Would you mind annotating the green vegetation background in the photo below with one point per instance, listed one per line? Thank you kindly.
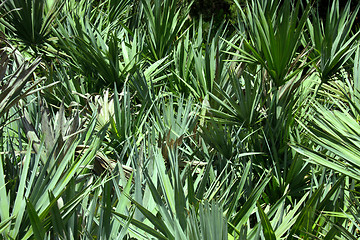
(165, 119)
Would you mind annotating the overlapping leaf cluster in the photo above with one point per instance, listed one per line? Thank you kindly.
(129, 120)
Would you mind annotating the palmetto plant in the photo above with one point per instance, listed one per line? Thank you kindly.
(92, 45)
(30, 21)
(15, 74)
(332, 39)
(262, 93)
(274, 37)
(165, 21)
(41, 175)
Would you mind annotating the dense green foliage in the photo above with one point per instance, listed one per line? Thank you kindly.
(128, 119)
